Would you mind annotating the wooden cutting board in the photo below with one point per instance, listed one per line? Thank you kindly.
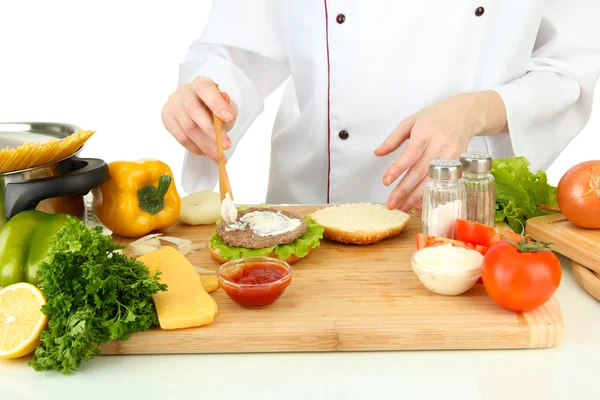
(578, 244)
(351, 298)
(588, 279)
(581, 245)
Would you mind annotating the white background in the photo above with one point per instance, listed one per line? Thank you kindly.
(110, 66)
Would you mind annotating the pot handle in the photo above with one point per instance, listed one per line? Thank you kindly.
(86, 174)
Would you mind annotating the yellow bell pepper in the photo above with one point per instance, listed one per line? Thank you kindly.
(138, 198)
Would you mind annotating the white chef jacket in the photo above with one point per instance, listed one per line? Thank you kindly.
(355, 69)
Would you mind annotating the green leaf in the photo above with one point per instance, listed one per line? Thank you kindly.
(94, 295)
(311, 238)
(519, 192)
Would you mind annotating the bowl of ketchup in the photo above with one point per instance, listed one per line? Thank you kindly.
(254, 282)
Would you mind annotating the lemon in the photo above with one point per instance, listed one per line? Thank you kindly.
(21, 319)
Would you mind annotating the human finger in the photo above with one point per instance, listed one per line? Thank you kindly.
(396, 138)
(200, 115)
(170, 122)
(197, 135)
(415, 174)
(409, 181)
(407, 158)
(210, 95)
(415, 197)
(226, 97)
(227, 126)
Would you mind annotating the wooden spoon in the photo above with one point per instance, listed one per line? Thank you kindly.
(224, 185)
(228, 210)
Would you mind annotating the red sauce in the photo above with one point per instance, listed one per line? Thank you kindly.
(258, 289)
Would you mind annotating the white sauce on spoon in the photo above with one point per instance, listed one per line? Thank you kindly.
(228, 210)
(265, 223)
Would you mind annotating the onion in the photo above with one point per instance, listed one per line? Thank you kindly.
(200, 208)
(152, 242)
(142, 248)
(578, 194)
(203, 271)
(145, 238)
(179, 242)
(192, 247)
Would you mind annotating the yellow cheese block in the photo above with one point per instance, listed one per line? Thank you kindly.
(186, 303)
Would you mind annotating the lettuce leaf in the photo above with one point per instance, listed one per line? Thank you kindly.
(311, 238)
(519, 192)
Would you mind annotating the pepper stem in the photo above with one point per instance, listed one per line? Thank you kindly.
(151, 199)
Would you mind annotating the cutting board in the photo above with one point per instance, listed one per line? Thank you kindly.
(588, 279)
(581, 245)
(352, 298)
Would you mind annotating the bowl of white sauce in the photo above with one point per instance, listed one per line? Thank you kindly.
(447, 269)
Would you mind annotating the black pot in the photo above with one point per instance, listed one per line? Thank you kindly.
(57, 187)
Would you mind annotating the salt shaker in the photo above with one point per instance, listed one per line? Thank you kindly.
(480, 185)
(444, 198)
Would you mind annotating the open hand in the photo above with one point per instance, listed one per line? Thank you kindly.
(187, 115)
(441, 130)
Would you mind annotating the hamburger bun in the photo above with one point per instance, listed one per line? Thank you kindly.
(246, 238)
(360, 223)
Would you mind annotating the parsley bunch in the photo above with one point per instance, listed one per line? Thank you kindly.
(94, 295)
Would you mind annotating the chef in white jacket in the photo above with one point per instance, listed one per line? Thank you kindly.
(423, 79)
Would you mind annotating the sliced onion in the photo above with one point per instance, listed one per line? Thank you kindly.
(143, 248)
(145, 238)
(191, 248)
(153, 242)
(203, 271)
(179, 242)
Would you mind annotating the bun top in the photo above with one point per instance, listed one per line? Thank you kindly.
(364, 218)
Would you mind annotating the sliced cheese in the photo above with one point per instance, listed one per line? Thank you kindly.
(209, 282)
(186, 303)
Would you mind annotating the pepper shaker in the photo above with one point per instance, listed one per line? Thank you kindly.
(444, 198)
(480, 185)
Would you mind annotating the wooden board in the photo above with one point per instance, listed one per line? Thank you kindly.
(351, 298)
(578, 244)
(588, 279)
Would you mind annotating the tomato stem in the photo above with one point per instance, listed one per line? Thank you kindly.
(528, 245)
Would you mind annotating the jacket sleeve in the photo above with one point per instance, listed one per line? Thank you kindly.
(243, 51)
(552, 102)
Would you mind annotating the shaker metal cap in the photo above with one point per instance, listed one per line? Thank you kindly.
(476, 161)
(445, 170)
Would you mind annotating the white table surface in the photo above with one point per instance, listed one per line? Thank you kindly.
(569, 371)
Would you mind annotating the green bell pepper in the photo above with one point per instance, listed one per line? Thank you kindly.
(2, 194)
(24, 242)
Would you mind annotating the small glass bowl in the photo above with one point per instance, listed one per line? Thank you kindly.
(253, 295)
(448, 283)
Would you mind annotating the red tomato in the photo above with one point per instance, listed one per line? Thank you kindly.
(520, 281)
(578, 194)
(430, 241)
(421, 241)
(480, 234)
